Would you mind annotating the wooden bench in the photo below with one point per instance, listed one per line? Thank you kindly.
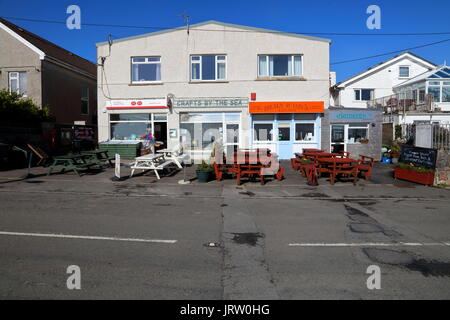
(365, 166)
(345, 169)
(70, 163)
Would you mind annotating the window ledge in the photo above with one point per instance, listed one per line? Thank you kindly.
(207, 81)
(293, 78)
(156, 83)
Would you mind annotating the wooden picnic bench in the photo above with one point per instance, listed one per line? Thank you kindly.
(365, 166)
(73, 162)
(99, 157)
(153, 162)
(338, 166)
(43, 157)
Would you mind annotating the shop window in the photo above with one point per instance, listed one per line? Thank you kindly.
(304, 131)
(197, 130)
(145, 69)
(84, 100)
(133, 126)
(284, 132)
(403, 72)
(305, 116)
(280, 65)
(18, 82)
(263, 131)
(357, 132)
(208, 67)
(364, 94)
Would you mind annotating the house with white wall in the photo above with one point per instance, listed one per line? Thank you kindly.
(378, 81)
(247, 87)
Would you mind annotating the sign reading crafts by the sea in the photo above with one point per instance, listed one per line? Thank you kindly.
(287, 107)
(210, 102)
(136, 104)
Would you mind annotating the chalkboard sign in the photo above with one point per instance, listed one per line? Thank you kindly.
(420, 157)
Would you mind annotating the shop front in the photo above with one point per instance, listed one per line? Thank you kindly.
(137, 120)
(354, 130)
(205, 121)
(286, 127)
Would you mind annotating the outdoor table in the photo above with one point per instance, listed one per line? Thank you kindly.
(335, 166)
(151, 161)
(73, 162)
(99, 156)
(170, 154)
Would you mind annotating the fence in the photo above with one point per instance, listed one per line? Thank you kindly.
(403, 102)
(441, 136)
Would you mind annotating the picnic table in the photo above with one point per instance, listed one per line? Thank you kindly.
(171, 155)
(74, 162)
(151, 161)
(99, 157)
(338, 166)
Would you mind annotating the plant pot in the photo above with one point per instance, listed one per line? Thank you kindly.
(203, 176)
(426, 178)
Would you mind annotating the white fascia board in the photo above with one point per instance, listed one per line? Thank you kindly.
(39, 52)
(384, 65)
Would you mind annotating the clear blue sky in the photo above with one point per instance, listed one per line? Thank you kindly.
(345, 16)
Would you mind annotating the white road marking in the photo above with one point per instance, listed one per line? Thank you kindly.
(70, 236)
(372, 244)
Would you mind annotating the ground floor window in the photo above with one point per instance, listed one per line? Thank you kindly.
(198, 131)
(357, 132)
(134, 126)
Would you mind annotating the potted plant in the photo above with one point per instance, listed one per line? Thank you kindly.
(412, 173)
(395, 152)
(204, 172)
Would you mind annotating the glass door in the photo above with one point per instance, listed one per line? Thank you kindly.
(337, 138)
(231, 138)
(284, 140)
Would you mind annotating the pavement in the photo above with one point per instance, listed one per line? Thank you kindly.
(143, 238)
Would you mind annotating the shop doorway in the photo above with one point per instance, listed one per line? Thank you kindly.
(160, 133)
(337, 138)
(285, 140)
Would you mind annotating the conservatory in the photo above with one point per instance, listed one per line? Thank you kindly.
(429, 92)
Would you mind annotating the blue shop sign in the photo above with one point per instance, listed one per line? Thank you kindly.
(352, 116)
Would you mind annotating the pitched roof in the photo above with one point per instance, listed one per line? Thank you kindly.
(224, 24)
(52, 50)
(440, 72)
(381, 64)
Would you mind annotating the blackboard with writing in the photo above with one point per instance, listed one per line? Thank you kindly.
(420, 157)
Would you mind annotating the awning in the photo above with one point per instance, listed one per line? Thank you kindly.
(287, 107)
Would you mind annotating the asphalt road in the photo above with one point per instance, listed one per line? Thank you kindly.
(279, 241)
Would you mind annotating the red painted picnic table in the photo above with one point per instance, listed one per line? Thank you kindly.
(335, 166)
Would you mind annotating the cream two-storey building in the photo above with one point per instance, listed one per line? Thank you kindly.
(247, 87)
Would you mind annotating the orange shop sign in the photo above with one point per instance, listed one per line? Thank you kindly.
(287, 107)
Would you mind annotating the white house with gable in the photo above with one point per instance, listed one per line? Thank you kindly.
(378, 81)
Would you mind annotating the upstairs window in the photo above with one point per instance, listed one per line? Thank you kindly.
(364, 94)
(208, 67)
(18, 82)
(145, 69)
(403, 72)
(280, 65)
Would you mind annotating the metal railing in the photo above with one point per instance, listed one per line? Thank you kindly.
(403, 102)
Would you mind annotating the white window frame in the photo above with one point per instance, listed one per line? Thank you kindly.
(17, 78)
(268, 67)
(147, 61)
(151, 121)
(216, 69)
(361, 126)
(314, 140)
(264, 122)
(409, 72)
(372, 95)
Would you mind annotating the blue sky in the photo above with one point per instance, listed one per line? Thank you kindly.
(345, 16)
